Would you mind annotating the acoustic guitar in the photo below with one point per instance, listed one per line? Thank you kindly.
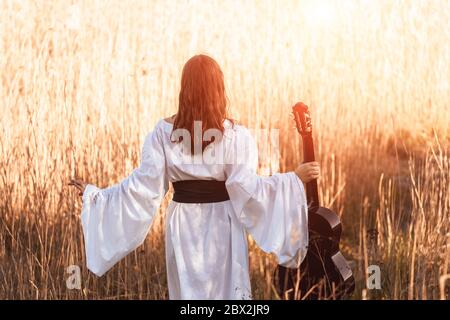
(324, 273)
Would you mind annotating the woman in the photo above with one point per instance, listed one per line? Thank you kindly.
(218, 198)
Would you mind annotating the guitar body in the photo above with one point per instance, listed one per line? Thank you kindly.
(324, 272)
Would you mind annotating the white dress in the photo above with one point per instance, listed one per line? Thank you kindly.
(206, 243)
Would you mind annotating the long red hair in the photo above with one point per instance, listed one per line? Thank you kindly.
(202, 97)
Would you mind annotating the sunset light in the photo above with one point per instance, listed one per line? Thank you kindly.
(338, 106)
(319, 13)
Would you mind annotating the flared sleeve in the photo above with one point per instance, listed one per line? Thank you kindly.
(272, 209)
(116, 220)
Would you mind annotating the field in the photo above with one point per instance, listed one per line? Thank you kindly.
(82, 84)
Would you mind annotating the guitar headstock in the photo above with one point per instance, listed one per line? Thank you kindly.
(302, 118)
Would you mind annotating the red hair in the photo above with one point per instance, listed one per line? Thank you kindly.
(202, 97)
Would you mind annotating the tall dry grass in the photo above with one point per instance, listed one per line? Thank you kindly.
(82, 84)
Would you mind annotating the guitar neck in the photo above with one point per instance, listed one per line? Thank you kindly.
(312, 192)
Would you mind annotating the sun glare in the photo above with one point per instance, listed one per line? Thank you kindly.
(319, 12)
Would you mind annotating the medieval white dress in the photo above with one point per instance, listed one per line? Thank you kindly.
(206, 243)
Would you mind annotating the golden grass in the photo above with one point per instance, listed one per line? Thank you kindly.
(81, 86)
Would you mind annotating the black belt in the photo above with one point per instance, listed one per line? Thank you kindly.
(199, 191)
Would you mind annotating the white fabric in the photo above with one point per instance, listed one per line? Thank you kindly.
(206, 244)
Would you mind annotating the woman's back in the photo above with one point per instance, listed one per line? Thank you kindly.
(211, 164)
(206, 241)
(207, 221)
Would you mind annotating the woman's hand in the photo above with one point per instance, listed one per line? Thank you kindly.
(79, 184)
(308, 171)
